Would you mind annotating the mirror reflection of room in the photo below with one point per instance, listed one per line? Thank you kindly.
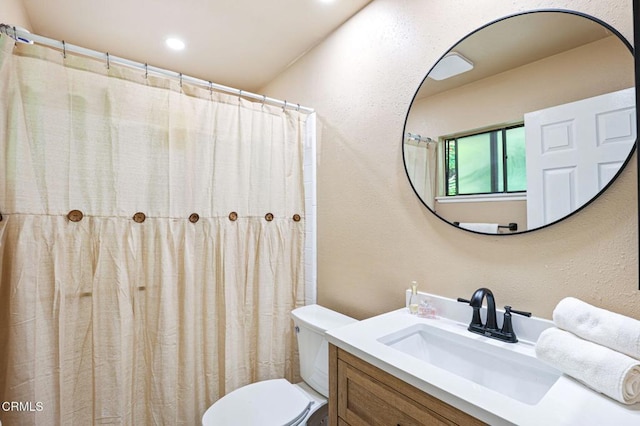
(522, 123)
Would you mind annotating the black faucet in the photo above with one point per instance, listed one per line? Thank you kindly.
(490, 328)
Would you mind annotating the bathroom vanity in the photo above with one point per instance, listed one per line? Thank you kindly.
(398, 369)
(362, 394)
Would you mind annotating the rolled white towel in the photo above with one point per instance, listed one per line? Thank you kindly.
(602, 369)
(600, 326)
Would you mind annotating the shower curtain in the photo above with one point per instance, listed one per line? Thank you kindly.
(421, 163)
(151, 242)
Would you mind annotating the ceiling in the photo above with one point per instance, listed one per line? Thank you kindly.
(238, 43)
(515, 42)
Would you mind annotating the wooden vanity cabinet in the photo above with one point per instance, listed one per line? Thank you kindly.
(361, 394)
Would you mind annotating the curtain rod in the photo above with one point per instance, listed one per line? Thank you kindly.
(25, 36)
(419, 138)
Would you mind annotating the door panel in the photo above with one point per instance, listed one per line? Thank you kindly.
(573, 151)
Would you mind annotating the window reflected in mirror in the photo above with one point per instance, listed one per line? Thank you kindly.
(490, 162)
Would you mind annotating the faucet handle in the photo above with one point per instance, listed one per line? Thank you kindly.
(507, 327)
(476, 321)
(508, 309)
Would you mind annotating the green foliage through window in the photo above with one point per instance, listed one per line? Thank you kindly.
(486, 163)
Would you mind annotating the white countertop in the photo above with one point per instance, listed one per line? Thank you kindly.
(566, 403)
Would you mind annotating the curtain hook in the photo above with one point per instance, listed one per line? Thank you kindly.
(210, 89)
(146, 71)
(264, 100)
(64, 50)
(284, 106)
(108, 62)
(181, 80)
(298, 107)
(239, 95)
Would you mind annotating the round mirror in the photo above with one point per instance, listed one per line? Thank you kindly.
(522, 123)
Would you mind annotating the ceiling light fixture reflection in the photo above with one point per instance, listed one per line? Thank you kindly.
(174, 43)
(451, 65)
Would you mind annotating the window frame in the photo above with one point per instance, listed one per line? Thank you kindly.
(494, 160)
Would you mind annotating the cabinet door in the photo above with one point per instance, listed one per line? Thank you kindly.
(365, 401)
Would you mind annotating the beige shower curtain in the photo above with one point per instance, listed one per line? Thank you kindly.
(109, 320)
(420, 160)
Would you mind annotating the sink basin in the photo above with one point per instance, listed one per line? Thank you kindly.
(493, 366)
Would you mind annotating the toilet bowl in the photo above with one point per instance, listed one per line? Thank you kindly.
(278, 402)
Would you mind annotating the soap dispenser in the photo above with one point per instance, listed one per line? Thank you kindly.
(413, 299)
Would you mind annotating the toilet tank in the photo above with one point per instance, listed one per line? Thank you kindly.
(311, 322)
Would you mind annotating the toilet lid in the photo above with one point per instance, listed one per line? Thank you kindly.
(270, 402)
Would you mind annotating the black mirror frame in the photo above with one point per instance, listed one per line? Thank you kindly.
(623, 39)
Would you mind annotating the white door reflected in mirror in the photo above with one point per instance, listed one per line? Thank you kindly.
(573, 152)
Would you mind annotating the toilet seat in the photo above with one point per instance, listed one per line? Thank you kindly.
(267, 403)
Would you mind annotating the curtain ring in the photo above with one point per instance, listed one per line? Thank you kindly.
(210, 88)
(181, 80)
(298, 107)
(108, 62)
(240, 95)
(64, 50)
(284, 106)
(264, 100)
(146, 71)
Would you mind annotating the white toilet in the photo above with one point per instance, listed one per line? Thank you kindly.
(278, 402)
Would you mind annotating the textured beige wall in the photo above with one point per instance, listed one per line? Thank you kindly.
(375, 236)
(12, 12)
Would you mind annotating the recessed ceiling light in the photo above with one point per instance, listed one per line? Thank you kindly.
(449, 66)
(174, 43)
